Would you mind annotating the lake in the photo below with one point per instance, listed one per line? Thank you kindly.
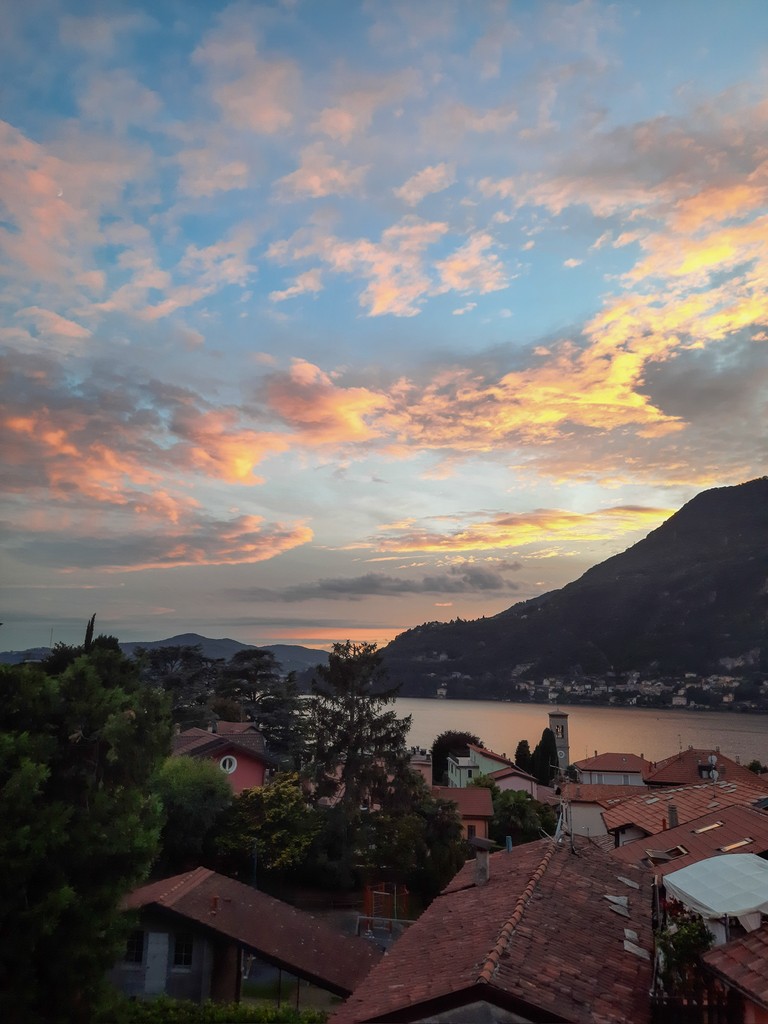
(647, 731)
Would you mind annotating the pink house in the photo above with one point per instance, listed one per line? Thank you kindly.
(236, 747)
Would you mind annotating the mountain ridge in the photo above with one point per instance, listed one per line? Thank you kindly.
(691, 596)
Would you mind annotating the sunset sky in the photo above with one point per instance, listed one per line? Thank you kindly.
(325, 318)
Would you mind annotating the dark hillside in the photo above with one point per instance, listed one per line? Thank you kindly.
(692, 593)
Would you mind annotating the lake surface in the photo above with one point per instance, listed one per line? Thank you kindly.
(654, 734)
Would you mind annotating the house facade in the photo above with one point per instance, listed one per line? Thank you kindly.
(236, 748)
(475, 806)
(195, 928)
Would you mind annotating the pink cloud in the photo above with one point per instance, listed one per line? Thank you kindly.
(426, 182)
(318, 175)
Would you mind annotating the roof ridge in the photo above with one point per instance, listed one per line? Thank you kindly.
(186, 883)
(508, 928)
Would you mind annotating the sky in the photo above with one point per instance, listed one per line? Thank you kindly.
(320, 319)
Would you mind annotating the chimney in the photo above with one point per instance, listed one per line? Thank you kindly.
(673, 819)
(482, 848)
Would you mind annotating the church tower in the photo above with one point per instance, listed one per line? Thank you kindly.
(558, 723)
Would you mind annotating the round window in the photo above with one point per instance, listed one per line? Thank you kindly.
(228, 764)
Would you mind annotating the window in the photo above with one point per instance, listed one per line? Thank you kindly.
(736, 846)
(469, 773)
(134, 947)
(559, 732)
(183, 946)
(228, 764)
(707, 828)
(471, 831)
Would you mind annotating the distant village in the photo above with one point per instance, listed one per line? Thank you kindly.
(713, 692)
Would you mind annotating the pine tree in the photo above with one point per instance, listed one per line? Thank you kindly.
(357, 740)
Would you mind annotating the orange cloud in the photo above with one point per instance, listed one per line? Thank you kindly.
(322, 413)
(520, 530)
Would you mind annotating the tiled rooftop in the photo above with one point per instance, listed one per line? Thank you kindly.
(277, 932)
(200, 742)
(701, 838)
(684, 769)
(649, 810)
(501, 758)
(602, 793)
(743, 964)
(511, 771)
(540, 933)
(614, 763)
(472, 801)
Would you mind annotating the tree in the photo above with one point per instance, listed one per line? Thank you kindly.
(252, 679)
(80, 826)
(273, 822)
(544, 759)
(517, 814)
(186, 674)
(194, 793)
(524, 757)
(358, 743)
(446, 743)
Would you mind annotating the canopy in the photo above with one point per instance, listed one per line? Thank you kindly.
(735, 884)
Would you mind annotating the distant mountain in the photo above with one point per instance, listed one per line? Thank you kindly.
(692, 596)
(291, 658)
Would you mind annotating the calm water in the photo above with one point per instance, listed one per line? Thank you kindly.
(654, 734)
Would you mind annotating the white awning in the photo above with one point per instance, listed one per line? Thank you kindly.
(735, 884)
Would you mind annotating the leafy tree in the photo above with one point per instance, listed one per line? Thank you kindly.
(757, 767)
(186, 674)
(517, 814)
(486, 782)
(358, 742)
(251, 678)
(446, 743)
(194, 792)
(273, 821)
(80, 826)
(544, 759)
(524, 757)
(423, 846)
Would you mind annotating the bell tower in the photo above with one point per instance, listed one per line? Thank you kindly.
(558, 723)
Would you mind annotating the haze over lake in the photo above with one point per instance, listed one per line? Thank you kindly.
(653, 733)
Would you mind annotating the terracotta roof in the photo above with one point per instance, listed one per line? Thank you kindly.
(743, 964)
(201, 743)
(228, 728)
(539, 939)
(684, 769)
(649, 810)
(472, 801)
(602, 793)
(735, 824)
(614, 763)
(277, 932)
(512, 771)
(501, 758)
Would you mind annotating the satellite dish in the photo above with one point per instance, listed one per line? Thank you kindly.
(714, 775)
(712, 759)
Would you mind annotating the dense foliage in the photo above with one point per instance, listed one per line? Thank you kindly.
(358, 742)
(180, 1011)
(269, 828)
(80, 825)
(194, 793)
